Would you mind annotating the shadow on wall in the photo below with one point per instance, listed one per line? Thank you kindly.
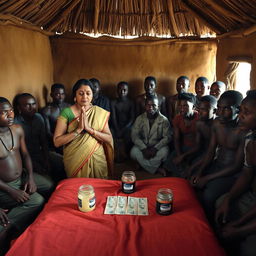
(166, 87)
(45, 94)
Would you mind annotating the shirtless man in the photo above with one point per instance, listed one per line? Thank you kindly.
(182, 85)
(207, 110)
(19, 200)
(225, 152)
(52, 110)
(236, 214)
(150, 91)
(122, 110)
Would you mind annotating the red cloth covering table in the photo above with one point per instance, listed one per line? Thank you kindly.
(61, 229)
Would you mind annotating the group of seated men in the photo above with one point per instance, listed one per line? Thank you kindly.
(178, 136)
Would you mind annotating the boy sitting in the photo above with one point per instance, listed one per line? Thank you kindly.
(44, 162)
(225, 152)
(19, 200)
(207, 109)
(236, 215)
(184, 126)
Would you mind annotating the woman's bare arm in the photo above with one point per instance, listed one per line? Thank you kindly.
(61, 137)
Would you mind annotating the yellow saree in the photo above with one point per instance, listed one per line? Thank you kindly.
(85, 156)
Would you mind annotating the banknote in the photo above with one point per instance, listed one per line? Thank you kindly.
(121, 205)
(111, 205)
(142, 206)
(132, 206)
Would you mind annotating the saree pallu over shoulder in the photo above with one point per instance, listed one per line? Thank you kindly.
(85, 156)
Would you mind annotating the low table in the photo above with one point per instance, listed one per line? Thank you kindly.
(61, 229)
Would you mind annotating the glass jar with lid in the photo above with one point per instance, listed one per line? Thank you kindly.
(164, 201)
(86, 198)
(128, 182)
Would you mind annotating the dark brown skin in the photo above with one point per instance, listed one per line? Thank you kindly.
(51, 114)
(11, 161)
(171, 101)
(52, 111)
(203, 135)
(246, 225)
(182, 86)
(28, 107)
(228, 139)
(187, 110)
(122, 111)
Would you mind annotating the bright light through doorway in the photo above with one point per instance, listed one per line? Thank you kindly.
(243, 77)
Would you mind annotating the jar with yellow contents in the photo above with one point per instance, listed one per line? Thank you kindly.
(86, 198)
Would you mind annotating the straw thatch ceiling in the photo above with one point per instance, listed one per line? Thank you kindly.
(175, 18)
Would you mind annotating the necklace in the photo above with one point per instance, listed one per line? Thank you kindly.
(11, 149)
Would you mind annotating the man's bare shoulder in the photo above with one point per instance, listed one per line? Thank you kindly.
(17, 129)
(250, 150)
(46, 110)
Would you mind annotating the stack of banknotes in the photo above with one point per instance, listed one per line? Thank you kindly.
(124, 205)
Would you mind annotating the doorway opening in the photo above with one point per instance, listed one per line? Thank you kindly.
(243, 73)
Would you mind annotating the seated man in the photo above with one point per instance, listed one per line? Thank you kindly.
(150, 90)
(182, 85)
(19, 200)
(224, 157)
(52, 110)
(217, 88)
(151, 134)
(33, 124)
(98, 98)
(236, 214)
(122, 110)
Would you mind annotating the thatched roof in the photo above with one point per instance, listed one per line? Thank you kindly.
(173, 18)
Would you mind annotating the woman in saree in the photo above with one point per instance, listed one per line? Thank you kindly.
(83, 130)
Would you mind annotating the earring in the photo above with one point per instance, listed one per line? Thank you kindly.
(75, 100)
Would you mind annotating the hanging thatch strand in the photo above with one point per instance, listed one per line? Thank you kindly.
(171, 18)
